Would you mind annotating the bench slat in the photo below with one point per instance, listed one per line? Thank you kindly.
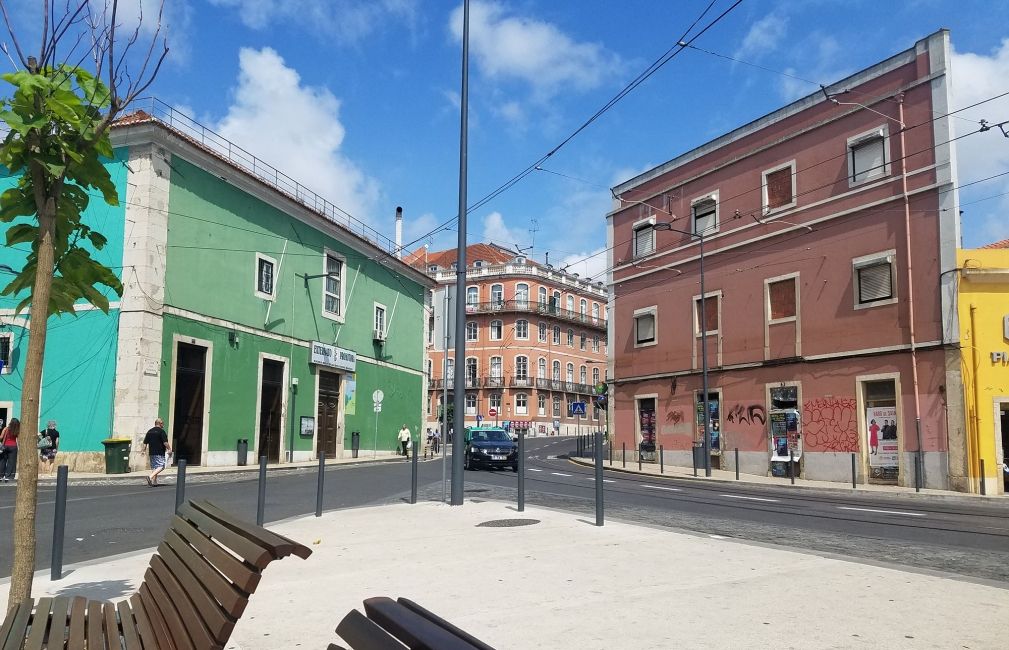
(148, 640)
(169, 613)
(58, 623)
(440, 622)
(128, 626)
(18, 617)
(238, 572)
(162, 635)
(110, 625)
(39, 624)
(95, 633)
(231, 599)
(411, 628)
(213, 615)
(279, 545)
(363, 634)
(256, 555)
(78, 610)
(192, 621)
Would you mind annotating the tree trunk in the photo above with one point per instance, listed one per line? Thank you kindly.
(26, 498)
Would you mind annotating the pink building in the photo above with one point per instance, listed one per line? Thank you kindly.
(830, 229)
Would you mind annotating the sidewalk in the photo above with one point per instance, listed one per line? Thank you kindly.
(561, 582)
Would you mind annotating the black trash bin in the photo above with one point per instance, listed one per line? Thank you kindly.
(355, 443)
(243, 451)
(699, 455)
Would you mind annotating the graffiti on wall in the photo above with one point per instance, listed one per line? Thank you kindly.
(830, 424)
(674, 417)
(752, 414)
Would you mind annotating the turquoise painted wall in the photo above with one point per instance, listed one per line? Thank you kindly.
(80, 358)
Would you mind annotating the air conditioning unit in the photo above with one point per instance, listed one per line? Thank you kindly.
(378, 335)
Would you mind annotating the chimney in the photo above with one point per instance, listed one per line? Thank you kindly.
(399, 232)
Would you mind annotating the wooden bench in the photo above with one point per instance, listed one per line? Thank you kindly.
(389, 624)
(194, 591)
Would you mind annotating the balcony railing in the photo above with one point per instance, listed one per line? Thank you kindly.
(532, 307)
(513, 381)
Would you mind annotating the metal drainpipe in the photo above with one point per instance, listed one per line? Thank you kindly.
(973, 445)
(910, 283)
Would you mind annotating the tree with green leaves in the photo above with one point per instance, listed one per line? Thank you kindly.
(59, 112)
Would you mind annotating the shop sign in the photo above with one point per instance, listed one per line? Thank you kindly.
(881, 427)
(334, 357)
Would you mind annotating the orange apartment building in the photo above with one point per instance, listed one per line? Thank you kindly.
(535, 342)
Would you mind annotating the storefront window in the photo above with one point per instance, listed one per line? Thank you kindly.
(882, 430)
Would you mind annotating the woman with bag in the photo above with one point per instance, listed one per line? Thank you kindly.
(9, 459)
(49, 440)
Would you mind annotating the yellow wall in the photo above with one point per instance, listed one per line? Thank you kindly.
(984, 285)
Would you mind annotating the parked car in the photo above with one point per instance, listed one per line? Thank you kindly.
(490, 447)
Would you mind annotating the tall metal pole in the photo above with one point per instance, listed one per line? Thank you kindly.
(599, 477)
(444, 399)
(460, 274)
(704, 363)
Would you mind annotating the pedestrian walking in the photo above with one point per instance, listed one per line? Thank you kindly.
(404, 439)
(155, 446)
(9, 451)
(435, 441)
(49, 442)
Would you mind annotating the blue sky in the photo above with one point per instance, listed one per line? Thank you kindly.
(359, 99)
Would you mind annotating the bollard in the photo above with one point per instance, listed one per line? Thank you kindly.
(917, 473)
(662, 461)
(318, 487)
(640, 454)
(791, 466)
(623, 453)
(261, 502)
(737, 463)
(693, 461)
(982, 478)
(854, 484)
(599, 478)
(413, 474)
(610, 452)
(522, 471)
(180, 485)
(59, 523)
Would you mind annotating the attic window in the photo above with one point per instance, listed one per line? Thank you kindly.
(520, 260)
(453, 266)
(478, 263)
(432, 268)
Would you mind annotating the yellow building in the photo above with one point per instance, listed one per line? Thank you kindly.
(984, 339)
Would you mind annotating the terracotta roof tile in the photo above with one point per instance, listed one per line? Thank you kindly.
(998, 244)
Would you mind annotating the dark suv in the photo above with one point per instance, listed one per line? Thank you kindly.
(490, 447)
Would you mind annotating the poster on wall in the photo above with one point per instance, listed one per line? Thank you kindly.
(350, 395)
(881, 428)
(785, 436)
(647, 421)
(307, 426)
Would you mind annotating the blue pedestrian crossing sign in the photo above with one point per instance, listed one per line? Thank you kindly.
(577, 408)
(479, 419)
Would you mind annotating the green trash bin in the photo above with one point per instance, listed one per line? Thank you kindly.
(117, 455)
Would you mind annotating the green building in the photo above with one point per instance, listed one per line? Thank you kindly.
(253, 310)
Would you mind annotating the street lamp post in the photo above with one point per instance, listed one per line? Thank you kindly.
(704, 341)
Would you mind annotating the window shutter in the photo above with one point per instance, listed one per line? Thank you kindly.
(867, 159)
(704, 216)
(645, 328)
(875, 282)
(779, 188)
(644, 241)
(710, 313)
(782, 298)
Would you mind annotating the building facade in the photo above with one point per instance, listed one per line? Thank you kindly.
(827, 233)
(535, 342)
(984, 319)
(253, 310)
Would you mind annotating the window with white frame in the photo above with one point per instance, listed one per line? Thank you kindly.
(557, 406)
(496, 368)
(583, 308)
(779, 187)
(521, 404)
(495, 401)
(478, 264)
(470, 403)
(873, 279)
(595, 376)
(541, 368)
(5, 352)
(497, 294)
(705, 215)
(782, 298)
(556, 376)
(521, 295)
(379, 320)
(542, 332)
(333, 286)
(868, 156)
(644, 326)
(710, 314)
(583, 375)
(571, 304)
(472, 331)
(557, 334)
(496, 328)
(432, 268)
(595, 343)
(581, 341)
(555, 302)
(541, 405)
(644, 238)
(265, 276)
(522, 329)
(542, 296)
(595, 312)
(522, 368)
(570, 373)
(472, 295)
(471, 372)
(571, 338)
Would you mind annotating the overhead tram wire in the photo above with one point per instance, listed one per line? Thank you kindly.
(661, 61)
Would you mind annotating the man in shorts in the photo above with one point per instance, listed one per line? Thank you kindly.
(156, 444)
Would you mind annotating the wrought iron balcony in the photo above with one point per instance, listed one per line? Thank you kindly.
(533, 307)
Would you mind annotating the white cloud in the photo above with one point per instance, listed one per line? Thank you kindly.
(589, 265)
(297, 129)
(497, 231)
(976, 77)
(347, 21)
(763, 36)
(172, 25)
(823, 60)
(532, 51)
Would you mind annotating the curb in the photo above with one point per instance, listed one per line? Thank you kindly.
(957, 498)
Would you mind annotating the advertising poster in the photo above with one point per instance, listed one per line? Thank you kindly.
(785, 434)
(881, 429)
(350, 395)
